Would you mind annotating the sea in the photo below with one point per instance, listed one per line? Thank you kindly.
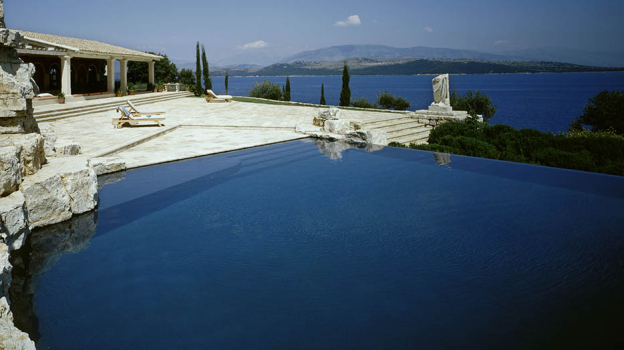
(546, 102)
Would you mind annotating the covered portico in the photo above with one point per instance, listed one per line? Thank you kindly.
(78, 66)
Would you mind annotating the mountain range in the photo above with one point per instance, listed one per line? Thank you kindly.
(388, 59)
(382, 52)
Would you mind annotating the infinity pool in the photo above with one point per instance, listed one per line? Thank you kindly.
(312, 245)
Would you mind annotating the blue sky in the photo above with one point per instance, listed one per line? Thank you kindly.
(268, 30)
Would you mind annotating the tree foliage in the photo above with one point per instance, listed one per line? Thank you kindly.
(473, 103)
(187, 77)
(322, 102)
(198, 91)
(363, 102)
(206, 70)
(345, 94)
(267, 90)
(165, 71)
(589, 151)
(387, 101)
(286, 90)
(226, 82)
(604, 112)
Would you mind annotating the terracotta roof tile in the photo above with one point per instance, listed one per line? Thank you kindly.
(87, 45)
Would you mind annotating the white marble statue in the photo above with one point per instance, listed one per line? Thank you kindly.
(441, 95)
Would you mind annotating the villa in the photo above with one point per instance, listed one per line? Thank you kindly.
(78, 67)
(238, 222)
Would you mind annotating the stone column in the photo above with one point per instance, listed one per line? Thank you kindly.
(124, 74)
(66, 75)
(150, 68)
(110, 71)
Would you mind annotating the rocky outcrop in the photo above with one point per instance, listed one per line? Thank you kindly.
(107, 165)
(342, 126)
(45, 247)
(13, 220)
(16, 88)
(328, 126)
(11, 337)
(67, 148)
(367, 137)
(5, 270)
(10, 169)
(31, 150)
(80, 182)
(323, 116)
(49, 137)
(66, 186)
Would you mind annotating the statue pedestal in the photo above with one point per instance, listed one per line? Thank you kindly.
(440, 108)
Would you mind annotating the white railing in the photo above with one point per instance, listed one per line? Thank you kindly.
(177, 86)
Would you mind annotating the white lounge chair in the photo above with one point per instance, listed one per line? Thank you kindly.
(137, 113)
(127, 117)
(212, 97)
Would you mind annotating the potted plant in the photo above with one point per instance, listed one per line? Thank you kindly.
(187, 88)
(119, 92)
(160, 87)
(131, 89)
(61, 98)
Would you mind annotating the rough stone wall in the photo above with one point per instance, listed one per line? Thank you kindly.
(20, 155)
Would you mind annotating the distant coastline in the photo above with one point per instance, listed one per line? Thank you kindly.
(368, 67)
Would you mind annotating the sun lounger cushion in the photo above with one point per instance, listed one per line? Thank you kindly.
(224, 97)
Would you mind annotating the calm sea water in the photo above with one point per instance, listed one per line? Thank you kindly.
(546, 102)
(308, 245)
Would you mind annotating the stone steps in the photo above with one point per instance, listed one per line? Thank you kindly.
(419, 138)
(105, 106)
(417, 130)
(402, 129)
(388, 121)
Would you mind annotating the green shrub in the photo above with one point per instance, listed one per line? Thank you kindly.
(401, 104)
(473, 103)
(603, 112)
(363, 102)
(196, 89)
(582, 150)
(267, 90)
(397, 144)
(387, 101)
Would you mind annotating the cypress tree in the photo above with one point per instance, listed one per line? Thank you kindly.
(287, 90)
(226, 82)
(206, 71)
(345, 94)
(198, 74)
(323, 95)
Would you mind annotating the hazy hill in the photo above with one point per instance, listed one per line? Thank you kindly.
(338, 53)
(559, 54)
(548, 54)
(367, 66)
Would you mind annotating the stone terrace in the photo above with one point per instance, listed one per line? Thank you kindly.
(193, 128)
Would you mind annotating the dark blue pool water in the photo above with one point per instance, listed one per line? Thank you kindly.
(283, 247)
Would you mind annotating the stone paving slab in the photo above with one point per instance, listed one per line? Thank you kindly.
(196, 128)
(186, 143)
